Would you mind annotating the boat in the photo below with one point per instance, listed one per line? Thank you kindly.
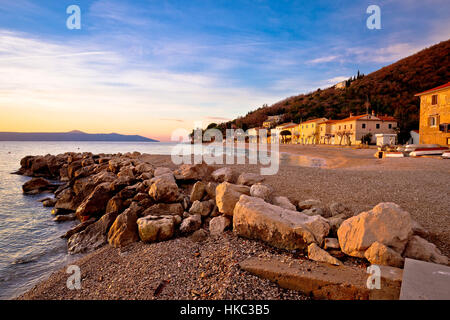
(446, 155)
(416, 150)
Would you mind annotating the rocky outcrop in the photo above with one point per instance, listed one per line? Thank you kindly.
(255, 219)
(386, 223)
(164, 209)
(283, 202)
(37, 185)
(95, 204)
(156, 228)
(227, 195)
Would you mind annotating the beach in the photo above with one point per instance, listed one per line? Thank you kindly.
(184, 268)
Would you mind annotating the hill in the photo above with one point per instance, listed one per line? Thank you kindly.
(389, 90)
(71, 136)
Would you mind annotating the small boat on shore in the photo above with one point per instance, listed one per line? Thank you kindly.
(446, 155)
(416, 150)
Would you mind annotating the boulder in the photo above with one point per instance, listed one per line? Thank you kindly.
(261, 191)
(161, 171)
(66, 201)
(124, 230)
(193, 171)
(49, 203)
(317, 254)
(202, 208)
(308, 204)
(335, 222)
(164, 190)
(224, 174)
(380, 254)
(65, 217)
(115, 205)
(164, 209)
(420, 249)
(314, 212)
(78, 228)
(217, 225)
(199, 235)
(227, 195)
(337, 208)
(36, 186)
(386, 223)
(249, 179)
(156, 228)
(283, 202)
(144, 168)
(191, 224)
(210, 190)
(95, 204)
(331, 244)
(126, 172)
(92, 236)
(255, 219)
(197, 191)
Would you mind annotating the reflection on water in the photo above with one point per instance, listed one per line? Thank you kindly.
(302, 161)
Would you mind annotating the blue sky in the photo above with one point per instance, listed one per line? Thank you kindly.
(149, 67)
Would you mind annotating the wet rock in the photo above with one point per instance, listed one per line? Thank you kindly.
(49, 203)
(386, 223)
(227, 195)
(156, 228)
(65, 218)
(255, 219)
(93, 236)
(317, 254)
(36, 186)
(249, 179)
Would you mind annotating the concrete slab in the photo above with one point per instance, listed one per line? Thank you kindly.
(324, 281)
(425, 281)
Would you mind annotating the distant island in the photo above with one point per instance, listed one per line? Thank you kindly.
(71, 136)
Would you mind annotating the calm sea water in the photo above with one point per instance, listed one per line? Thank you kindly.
(30, 244)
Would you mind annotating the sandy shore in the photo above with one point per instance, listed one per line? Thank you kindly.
(184, 269)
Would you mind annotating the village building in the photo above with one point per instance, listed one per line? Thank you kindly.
(272, 121)
(352, 130)
(285, 137)
(309, 131)
(434, 125)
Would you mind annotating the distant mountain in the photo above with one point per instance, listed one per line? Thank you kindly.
(71, 136)
(389, 90)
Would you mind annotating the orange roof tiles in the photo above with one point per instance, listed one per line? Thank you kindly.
(434, 89)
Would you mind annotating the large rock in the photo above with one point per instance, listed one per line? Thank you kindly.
(308, 204)
(261, 191)
(156, 228)
(380, 254)
(36, 185)
(164, 209)
(124, 230)
(66, 200)
(191, 224)
(224, 174)
(420, 249)
(161, 171)
(217, 225)
(227, 195)
(198, 191)
(193, 172)
(249, 179)
(164, 190)
(93, 236)
(210, 190)
(146, 168)
(255, 219)
(95, 204)
(78, 228)
(202, 208)
(337, 209)
(386, 223)
(283, 202)
(317, 254)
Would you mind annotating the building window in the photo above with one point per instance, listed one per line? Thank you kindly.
(378, 126)
(363, 125)
(339, 127)
(351, 126)
(345, 126)
(390, 125)
(434, 99)
(432, 121)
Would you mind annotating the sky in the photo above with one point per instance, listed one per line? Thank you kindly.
(151, 67)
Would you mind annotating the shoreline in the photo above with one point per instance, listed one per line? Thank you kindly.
(357, 167)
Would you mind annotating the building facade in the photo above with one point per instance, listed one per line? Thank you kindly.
(434, 125)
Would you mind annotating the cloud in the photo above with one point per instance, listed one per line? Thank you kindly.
(324, 59)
